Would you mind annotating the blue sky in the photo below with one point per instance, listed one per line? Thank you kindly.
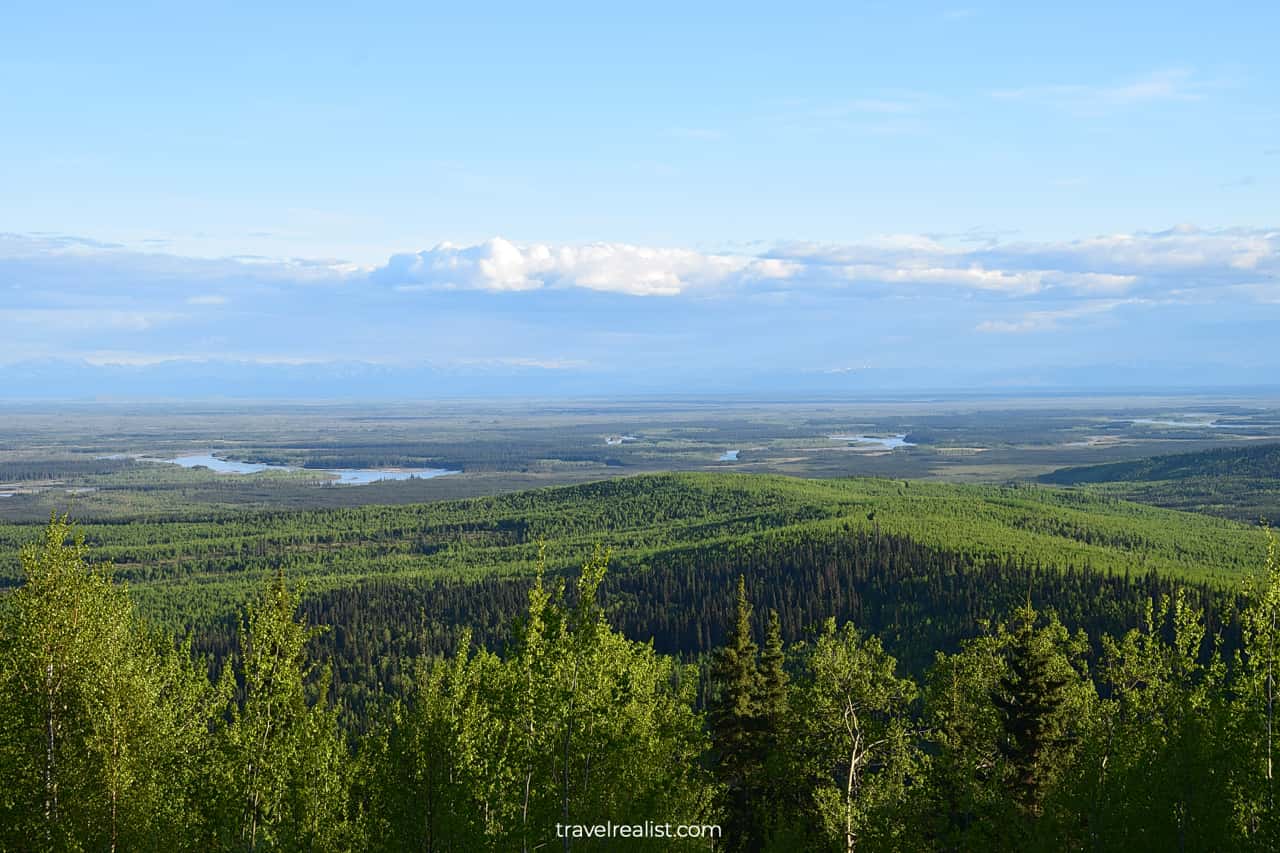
(643, 195)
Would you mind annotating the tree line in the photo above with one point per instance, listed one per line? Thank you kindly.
(919, 600)
(1026, 736)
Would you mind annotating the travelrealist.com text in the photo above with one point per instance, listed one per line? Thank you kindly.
(648, 829)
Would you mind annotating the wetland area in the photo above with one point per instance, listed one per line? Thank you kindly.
(116, 459)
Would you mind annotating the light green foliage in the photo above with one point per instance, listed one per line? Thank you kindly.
(854, 746)
(576, 726)
(963, 806)
(1257, 704)
(1234, 482)
(279, 784)
(1155, 764)
(103, 726)
(432, 771)
(1028, 737)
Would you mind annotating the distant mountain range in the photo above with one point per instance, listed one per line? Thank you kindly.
(192, 379)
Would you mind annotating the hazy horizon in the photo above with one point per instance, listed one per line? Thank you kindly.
(266, 202)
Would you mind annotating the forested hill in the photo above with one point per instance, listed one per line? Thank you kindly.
(640, 518)
(1260, 461)
(1029, 736)
(924, 565)
(1240, 483)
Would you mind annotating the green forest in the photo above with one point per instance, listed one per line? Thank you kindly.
(190, 571)
(1242, 483)
(922, 565)
(755, 662)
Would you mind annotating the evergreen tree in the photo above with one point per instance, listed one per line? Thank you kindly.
(1031, 699)
(113, 737)
(735, 714)
(773, 680)
(998, 750)
(777, 806)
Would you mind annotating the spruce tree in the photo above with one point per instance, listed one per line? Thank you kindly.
(735, 713)
(773, 680)
(1030, 699)
(778, 804)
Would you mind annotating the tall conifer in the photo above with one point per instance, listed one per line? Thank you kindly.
(735, 715)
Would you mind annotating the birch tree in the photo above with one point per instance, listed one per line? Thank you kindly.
(856, 735)
(103, 724)
(281, 782)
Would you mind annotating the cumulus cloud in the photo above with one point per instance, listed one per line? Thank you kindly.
(903, 260)
(1151, 264)
(500, 265)
(965, 296)
(974, 276)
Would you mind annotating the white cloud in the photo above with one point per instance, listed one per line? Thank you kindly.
(1108, 265)
(1187, 250)
(125, 288)
(500, 265)
(1183, 257)
(974, 277)
(500, 305)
